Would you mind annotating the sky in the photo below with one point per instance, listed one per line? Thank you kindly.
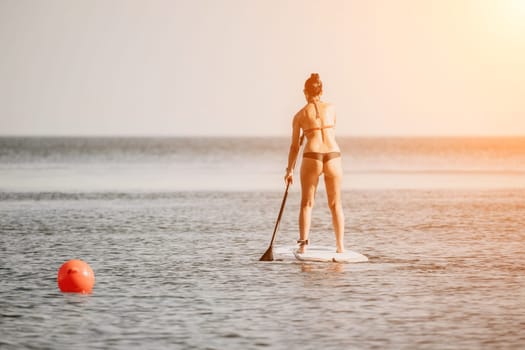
(237, 67)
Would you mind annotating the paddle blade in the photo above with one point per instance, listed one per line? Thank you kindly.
(268, 255)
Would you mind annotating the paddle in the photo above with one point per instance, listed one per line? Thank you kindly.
(268, 255)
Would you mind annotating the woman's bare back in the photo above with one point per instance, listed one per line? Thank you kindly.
(318, 122)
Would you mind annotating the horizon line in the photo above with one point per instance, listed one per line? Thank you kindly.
(130, 135)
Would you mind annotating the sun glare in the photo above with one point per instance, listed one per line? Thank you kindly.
(514, 11)
(518, 6)
(506, 17)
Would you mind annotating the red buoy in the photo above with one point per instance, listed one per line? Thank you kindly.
(76, 276)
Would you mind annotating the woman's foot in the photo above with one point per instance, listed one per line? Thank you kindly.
(302, 246)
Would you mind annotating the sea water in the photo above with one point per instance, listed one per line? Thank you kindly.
(174, 228)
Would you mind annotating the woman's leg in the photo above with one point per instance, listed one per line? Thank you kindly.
(333, 173)
(310, 171)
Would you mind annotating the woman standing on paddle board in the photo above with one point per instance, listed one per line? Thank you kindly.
(321, 156)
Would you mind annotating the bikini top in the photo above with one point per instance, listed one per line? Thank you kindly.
(319, 127)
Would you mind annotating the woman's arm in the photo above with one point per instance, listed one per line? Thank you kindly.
(294, 150)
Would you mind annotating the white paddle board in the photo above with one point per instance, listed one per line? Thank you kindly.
(328, 254)
(317, 254)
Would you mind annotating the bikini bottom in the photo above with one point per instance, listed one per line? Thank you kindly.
(323, 157)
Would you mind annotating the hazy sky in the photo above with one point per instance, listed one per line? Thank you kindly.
(237, 67)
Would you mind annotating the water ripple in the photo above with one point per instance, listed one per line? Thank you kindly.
(181, 270)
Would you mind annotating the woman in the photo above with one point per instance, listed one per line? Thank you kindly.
(321, 156)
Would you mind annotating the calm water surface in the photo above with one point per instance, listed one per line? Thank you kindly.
(179, 269)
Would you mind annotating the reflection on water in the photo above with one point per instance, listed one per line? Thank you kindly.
(322, 268)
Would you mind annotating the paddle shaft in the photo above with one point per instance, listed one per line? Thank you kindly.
(268, 254)
(280, 214)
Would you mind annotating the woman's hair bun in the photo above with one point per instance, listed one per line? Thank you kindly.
(313, 85)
